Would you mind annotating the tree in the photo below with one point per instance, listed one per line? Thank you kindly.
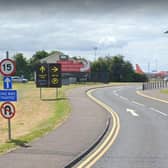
(118, 69)
(22, 67)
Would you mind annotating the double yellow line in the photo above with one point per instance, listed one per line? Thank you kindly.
(102, 149)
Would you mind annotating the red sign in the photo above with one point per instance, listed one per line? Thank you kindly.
(7, 110)
(8, 67)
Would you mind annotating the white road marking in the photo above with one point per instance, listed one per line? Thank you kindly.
(132, 112)
(157, 111)
(137, 103)
(115, 93)
(124, 98)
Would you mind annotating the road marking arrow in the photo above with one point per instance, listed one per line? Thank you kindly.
(132, 112)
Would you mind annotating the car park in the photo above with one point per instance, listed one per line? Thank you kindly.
(19, 79)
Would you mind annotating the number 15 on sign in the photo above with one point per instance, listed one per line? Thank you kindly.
(8, 67)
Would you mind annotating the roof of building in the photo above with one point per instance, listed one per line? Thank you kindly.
(53, 58)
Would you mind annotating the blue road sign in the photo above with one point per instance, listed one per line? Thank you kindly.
(8, 95)
(7, 82)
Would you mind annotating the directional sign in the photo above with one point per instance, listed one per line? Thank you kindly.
(42, 75)
(8, 67)
(7, 110)
(8, 95)
(7, 82)
(55, 75)
(48, 75)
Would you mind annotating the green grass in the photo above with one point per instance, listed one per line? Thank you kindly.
(164, 91)
(62, 110)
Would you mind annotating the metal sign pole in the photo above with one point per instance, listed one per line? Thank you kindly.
(9, 129)
(40, 93)
(9, 122)
(56, 93)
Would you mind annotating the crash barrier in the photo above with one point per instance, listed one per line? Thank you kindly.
(155, 85)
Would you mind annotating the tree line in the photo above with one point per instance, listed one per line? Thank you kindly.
(115, 68)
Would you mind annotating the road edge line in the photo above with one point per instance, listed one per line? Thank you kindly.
(95, 156)
(150, 97)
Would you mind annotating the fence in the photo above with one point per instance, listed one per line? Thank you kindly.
(155, 85)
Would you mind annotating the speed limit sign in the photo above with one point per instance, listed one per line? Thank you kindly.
(7, 110)
(8, 67)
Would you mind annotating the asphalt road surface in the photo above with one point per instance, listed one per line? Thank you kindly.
(143, 138)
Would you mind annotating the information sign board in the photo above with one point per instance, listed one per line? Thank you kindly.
(8, 95)
(42, 75)
(55, 75)
(48, 75)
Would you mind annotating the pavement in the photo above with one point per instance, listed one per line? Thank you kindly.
(84, 126)
(155, 93)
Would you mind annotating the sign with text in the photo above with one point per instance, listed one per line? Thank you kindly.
(55, 75)
(8, 95)
(42, 75)
(48, 75)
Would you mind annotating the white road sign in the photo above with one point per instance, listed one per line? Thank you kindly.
(7, 110)
(8, 67)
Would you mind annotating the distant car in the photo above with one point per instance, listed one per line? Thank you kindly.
(19, 79)
(165, 78)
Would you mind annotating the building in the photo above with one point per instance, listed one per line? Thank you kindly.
(72, 69)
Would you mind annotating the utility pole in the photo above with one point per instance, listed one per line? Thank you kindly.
(95, 49)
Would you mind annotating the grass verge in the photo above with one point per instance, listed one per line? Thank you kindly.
(61, 112)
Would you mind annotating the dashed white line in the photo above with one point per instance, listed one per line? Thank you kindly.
(157, 111)
(124, 98)
(139, 104)
(115, 93)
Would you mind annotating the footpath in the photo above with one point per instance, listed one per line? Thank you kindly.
(84, 126)
(156, 93)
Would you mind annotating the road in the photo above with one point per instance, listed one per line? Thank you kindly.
(143, 138)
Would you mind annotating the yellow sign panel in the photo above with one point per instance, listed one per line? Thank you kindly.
(55, 81)
(42, 69)
(54, 69)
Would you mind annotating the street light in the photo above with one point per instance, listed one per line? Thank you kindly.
(166, 31)
(95, 49)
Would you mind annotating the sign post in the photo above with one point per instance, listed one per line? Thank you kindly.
(7, 109)
(48, 75)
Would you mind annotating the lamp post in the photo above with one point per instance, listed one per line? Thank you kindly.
(95, 49)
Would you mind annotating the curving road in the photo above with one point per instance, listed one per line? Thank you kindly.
(143, 138)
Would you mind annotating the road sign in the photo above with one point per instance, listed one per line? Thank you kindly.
(7, 110)
(55, 75)
(48, 75)
(8, 67)
(7, 82)
(42, 75)
(8, 95)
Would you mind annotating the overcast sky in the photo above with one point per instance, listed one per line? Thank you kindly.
(134, 29)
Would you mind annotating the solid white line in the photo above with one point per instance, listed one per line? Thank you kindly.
(132, 112)
(157, 111)
(137, 103)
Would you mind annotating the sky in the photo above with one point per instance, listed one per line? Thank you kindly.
(134, 29)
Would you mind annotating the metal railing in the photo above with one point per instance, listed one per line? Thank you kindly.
(155, 85)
